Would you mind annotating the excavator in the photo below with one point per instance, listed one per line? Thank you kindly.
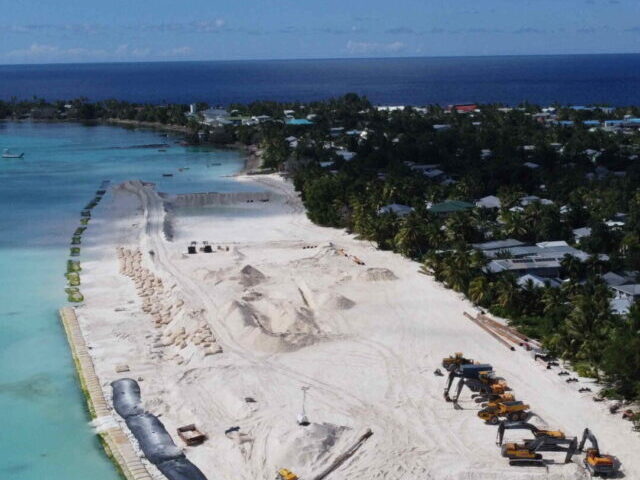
(537, 432)
(479, 378)
(455, 361)
(596, 463)
(526, 453)
(513, 411)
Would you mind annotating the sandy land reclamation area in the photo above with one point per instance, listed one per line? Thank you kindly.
(229, 339)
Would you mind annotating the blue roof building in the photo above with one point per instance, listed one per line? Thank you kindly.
(298, 121)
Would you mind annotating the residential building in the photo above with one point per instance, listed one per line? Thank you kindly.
(396, 208)
(450, 206)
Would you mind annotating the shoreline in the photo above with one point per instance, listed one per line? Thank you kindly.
(113, 439)
(252, 160)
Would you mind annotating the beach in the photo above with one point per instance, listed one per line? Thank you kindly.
(229, 339)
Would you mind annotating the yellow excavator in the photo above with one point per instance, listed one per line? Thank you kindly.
(479, 378)
(537, 432)
(526, 453)
(284, 474)
(595, 462)
(513, 411)
(455, 361)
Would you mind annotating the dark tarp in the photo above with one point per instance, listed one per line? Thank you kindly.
(126, 397)
(153, 438)
(180, 469)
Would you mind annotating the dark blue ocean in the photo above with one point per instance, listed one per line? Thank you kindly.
(567, 79)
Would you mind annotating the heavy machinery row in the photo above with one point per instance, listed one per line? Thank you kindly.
(500, 407)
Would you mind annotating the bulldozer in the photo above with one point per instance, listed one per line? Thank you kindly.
(596, 463)
(526, 453)
(455, 361)
(284, 474)
(480, 379)
(513, 411)
(537, 432)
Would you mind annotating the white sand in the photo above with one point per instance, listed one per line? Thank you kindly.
(268, 316)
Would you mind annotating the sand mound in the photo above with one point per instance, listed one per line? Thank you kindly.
(306, 450)
(251, 276)
(337, 302)
(378, 275)
(272, 326)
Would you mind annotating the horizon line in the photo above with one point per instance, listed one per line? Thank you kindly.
(119, 62)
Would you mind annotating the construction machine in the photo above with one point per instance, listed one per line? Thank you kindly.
(455, 361)
(498, 398)
(513, 411)
(526, 453)
(479, 378)
(284, 474)
(596, 463)
(537, 432)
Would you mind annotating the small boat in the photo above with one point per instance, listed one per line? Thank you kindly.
(167, 174)
(7, 154)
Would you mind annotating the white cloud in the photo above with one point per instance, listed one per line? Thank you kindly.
(35, 50)
(369, 48)
(53, 53)
(177, 52)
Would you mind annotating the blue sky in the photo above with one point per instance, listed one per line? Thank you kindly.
(39, 31)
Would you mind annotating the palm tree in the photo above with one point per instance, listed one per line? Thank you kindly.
(572, 266)
(433, 265)
(506, 293)
(411, 239)
(514, 224)
(480, 290)
(587, 325)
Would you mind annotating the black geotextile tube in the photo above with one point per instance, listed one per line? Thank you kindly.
(126, 397)
(180, 469)
(153, 438)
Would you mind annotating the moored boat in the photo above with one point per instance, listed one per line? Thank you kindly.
(7, 154)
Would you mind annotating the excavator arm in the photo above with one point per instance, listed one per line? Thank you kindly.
(452, 375)
(588, 435)
(506, 425)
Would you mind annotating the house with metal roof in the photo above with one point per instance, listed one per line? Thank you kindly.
(543, 267)
(497, 244)
(489, 201)
(450, 206)
(396, 208)
(537, 281)
(630, 292)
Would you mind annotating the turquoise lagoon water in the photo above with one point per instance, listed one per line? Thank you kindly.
(45, 430)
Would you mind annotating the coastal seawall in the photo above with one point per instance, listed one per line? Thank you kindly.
(116, 443)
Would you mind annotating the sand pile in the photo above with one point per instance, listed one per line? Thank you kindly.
(332, 301)
(307, 450)
(271, 325)
(377, 275)
(251, 276)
